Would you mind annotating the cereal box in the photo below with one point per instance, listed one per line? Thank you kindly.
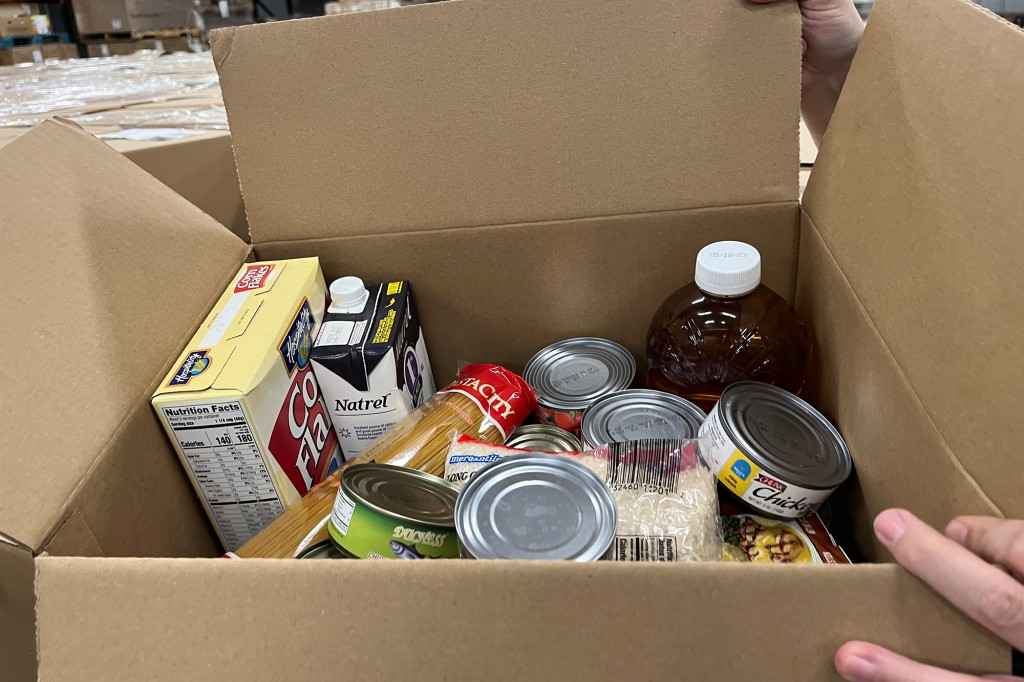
(242, 405)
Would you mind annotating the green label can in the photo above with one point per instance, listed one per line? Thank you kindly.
(388, 512)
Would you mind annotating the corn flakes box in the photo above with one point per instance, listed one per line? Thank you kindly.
(242, 406)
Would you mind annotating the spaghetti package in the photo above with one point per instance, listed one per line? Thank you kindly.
(667, 499)
(486, 402)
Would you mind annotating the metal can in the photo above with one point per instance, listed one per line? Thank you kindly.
(536, 507)
(638, 414)
(543, 438)
(389, 512)
(325, 549)
(568, 376)
(773, 451)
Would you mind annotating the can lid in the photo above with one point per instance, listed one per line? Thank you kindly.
(402, 493)
(543, 437)
(573, 373)
(536, 507)
(785, 435)
(638, 414)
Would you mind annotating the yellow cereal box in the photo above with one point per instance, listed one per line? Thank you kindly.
(242, 406)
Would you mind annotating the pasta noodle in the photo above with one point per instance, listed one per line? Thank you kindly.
(487, 402)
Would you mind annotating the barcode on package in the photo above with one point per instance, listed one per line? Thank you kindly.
(642, 548)
(651, 463)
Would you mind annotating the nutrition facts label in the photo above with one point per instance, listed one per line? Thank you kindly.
(225, 459)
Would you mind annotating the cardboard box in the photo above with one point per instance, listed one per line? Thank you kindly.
(25, 25)
(27, 54)
(201, 169)
(115, 47)
(537, 172)
(242, 406)
(131, 16)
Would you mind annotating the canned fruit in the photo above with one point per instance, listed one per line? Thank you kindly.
(568, 376)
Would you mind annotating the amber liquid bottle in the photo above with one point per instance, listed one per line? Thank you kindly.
(727, 327)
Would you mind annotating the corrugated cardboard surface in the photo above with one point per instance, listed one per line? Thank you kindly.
(136, 501)
(503, 293)
(102, 289)
(917, 192)
(901, 459)
(17, 613)
(200, 169)
(254, 619)
(504, 111)
(469, 620)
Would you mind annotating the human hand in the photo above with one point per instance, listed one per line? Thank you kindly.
(964, 567)
(832, 31)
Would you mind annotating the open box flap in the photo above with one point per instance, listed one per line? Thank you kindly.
(102, 264)
(490, 112)
(917, 193)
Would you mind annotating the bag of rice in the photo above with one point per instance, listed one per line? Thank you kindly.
(667, 499)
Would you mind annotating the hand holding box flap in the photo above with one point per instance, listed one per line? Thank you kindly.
(917, 195)
(100, 252)
(511, 111)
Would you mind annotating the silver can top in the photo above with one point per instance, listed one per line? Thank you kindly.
(640, 414)
(545, 438)
(402, 493)
(571, 374)
(536, 507)
(786, 437)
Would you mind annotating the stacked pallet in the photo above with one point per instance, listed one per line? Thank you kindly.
(27, 38)
(130, 42)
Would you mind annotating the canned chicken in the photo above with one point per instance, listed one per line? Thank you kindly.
(536, 507)
(640, 414)
(543, 438)
(570, 375)
(389, 512)
(773, 451)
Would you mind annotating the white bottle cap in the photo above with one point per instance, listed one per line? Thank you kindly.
(348, 295)
(728, 269)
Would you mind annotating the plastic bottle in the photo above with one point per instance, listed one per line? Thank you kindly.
(727, 327)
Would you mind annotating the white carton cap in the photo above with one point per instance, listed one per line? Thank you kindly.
(348, 295)
(728, 269)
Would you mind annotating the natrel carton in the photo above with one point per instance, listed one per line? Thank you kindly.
(242, 406)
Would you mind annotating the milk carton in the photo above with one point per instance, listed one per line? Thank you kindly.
(371, 360)
(242, 405)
